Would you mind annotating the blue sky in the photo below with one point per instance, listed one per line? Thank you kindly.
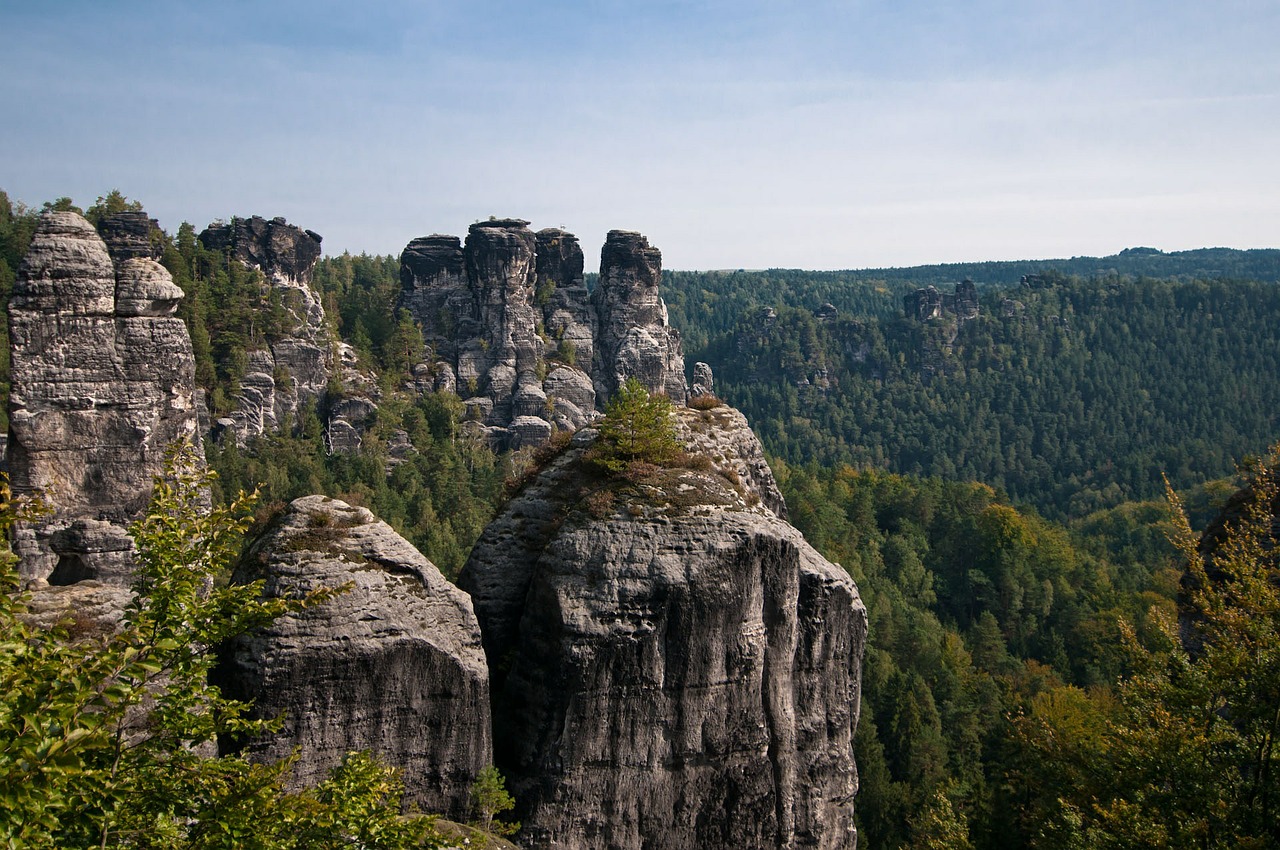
(745, 134)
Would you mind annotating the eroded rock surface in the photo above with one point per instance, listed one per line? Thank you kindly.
(103, 383)
(297, 366)
(633, 336)
(394, 665)
(673, 665)
(516, 333)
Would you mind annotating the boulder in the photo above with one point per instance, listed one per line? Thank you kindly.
(393, 665)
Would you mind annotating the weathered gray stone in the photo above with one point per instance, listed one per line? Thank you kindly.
(394, 665)
(529, 431)
(297, 367)
(98, 394)
(512, 305)
(145, 288)
(673, 666)
(566, 384)
(704, 381)
(633, 337)
(131, 234)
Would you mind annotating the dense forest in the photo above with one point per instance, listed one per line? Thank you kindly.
(1071, 396)
(993, 484)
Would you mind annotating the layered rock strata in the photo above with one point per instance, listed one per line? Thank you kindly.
(394, 665)
(296, 367)
(515, 332)
(634, 337)
(103, 383)
(672, 664)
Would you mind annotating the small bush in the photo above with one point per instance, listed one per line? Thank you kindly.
(705, 402)
(599, 503)
(637, 426)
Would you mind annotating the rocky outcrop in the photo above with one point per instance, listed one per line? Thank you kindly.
(704, 380)
(132, 234)
(672, 664)
(634, 338)
(280, 250)
(924, 304)
(103, 383)
(927, 304)
(297, 366)
(515, 332)
(965, 301)
(394, 665)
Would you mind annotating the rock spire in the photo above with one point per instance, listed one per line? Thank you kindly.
(103, 383)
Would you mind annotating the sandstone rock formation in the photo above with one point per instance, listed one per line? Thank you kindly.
(634, 337)
(672, 665)
(517, 335)
(103, 383)
(704, 380)
(394, 665)
(923, 304)
(298, 366)
(928, 303)
(481, 308)
(131, 234)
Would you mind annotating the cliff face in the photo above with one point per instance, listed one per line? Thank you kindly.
(103, 382)
(672, 665)
(394, 665)
(296, 367)
(517, 335)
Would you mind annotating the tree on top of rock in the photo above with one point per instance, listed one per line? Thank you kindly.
(636, 428)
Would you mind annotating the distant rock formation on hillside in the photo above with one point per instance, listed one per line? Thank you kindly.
(928, 303)
(516, 334)
(303, 363)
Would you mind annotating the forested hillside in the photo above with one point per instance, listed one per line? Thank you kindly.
(1072, 395)
(992, 484)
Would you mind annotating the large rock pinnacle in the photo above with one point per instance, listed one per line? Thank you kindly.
(103, 383)
(672, 664)
(634, 337)
(517, 335)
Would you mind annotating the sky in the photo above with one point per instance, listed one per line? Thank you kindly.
(830, 134)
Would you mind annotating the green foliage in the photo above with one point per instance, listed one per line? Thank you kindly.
(975, 608)
(1074, 399)
(440, 496)
(110, 204)
(103, 737)
(1184, 753)
(636, 428)
(489, 798)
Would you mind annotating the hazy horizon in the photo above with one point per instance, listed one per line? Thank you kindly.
(833, 136)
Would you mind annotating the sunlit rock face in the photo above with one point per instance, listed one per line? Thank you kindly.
(103, 384)
(633, 335)
(393, 665)
(673, 666)
(514, 331)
